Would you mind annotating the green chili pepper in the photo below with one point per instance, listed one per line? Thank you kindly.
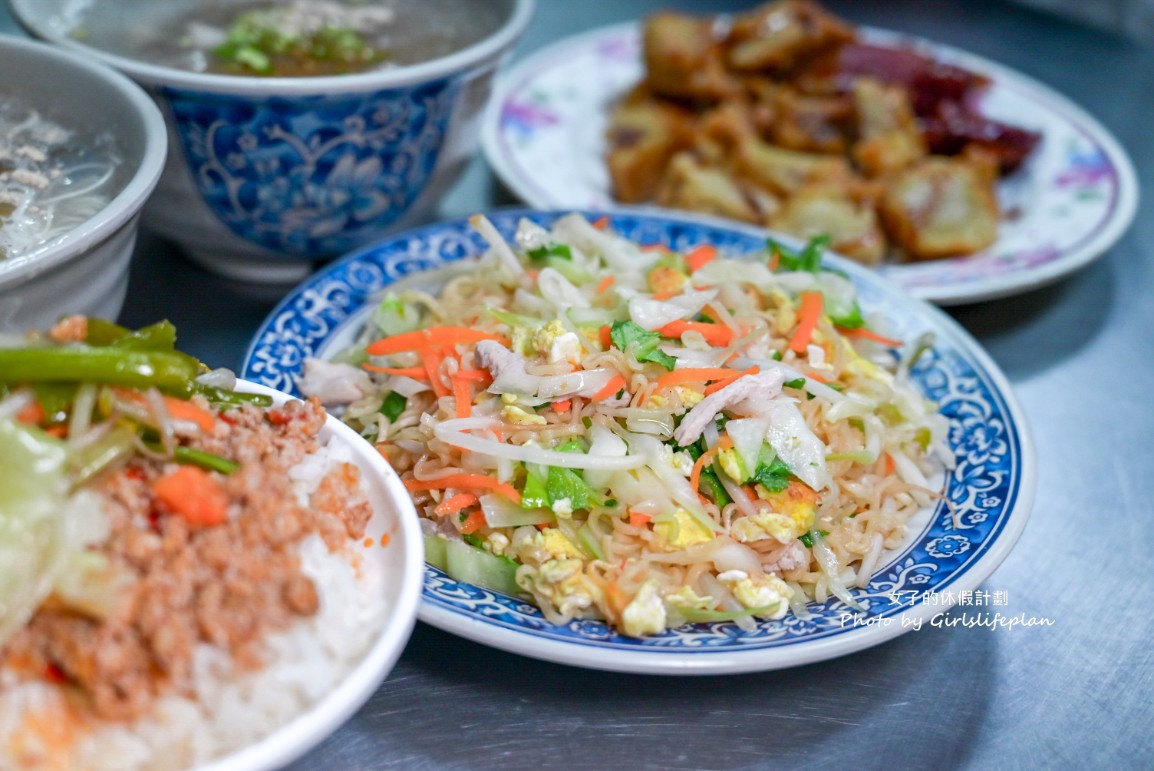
(135, 369)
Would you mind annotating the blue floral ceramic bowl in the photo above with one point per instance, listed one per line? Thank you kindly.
(269, 175)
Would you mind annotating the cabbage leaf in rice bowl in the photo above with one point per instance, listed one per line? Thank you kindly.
(188, 563)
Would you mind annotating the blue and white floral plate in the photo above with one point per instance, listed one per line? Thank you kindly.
(951, 550)
(544, 136)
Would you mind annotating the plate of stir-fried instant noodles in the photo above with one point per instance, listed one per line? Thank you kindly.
(663, 443)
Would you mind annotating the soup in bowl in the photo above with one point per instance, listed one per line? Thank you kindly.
(81, 150)
(299, 130)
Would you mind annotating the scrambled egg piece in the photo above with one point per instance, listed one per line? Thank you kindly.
(685, 597)
(793, 514)
(561, 582)
(858, 365)
(689, 396)
(558, 544)
(645, 614)
(521, 417)
(767, 592)
(665, 279)
(497, 543)
(558, 344)
(529, 545)
(785, 316)
(681, 532)
(733, 465)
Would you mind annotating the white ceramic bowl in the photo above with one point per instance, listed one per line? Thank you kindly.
(268, 175)
(398, 566)
(86, 269)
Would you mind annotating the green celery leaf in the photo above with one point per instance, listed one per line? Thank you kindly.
(624, 333)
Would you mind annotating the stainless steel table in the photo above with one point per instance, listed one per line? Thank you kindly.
(1080, 356)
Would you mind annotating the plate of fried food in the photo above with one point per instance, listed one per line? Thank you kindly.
(650, 441)
(956, 177)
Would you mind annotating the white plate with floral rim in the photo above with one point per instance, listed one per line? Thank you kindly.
(952, 547)
(1073, 198)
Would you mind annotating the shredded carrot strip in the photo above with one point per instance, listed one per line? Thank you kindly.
(60, 432)
(180, 409)
(638, 519)
(606, 339)
(723, 383)
(562, 405)
(474, 522)
(717, 335)
(695, 375)
(808, 316)
(432, 358)
(455, 503)
(890, 465)
(702, 461)
(871, 335)
(439, 337)
(774, 261)
(478, 481)
(615, 384)
(601, 222)
(616, 597)
(463, 395)
(655, 248)
(665, 294)
(31, 415)
(700, 256)
(476, 375)
(417, 373)
(605, 283)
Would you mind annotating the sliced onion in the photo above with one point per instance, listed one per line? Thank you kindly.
(502, 512)
(812, 386)
(497, 243)
(453, 432)
(82, 406)
(583, 382)
(827, 561)
(11, 406)
(559, 290)
(651, 314)
(658, 458)
(869, 562)
(221, 377)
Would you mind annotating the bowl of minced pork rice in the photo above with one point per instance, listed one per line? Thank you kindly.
(194, 570)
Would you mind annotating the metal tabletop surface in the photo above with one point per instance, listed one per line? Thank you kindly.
(1079, 353)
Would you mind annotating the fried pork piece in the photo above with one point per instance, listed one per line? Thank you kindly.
(889, 137)
(785, 171)
(683, 58)
(777, 36)
(850, 221)
(691, 184)
(729, 131)
(796, 121)
(643, 135)
(942, 207)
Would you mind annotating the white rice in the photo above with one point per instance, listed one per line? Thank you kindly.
(232, 708)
